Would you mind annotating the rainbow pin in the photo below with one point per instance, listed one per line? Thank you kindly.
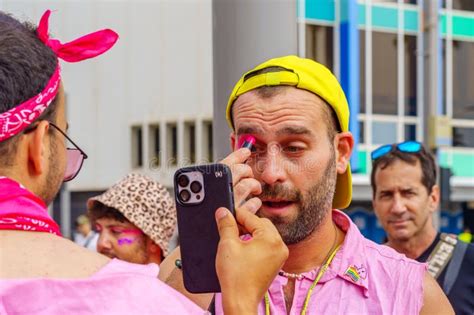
(353, 273)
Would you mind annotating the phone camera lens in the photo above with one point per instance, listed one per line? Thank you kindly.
(183, 180)
(185, 195)
(196, 187)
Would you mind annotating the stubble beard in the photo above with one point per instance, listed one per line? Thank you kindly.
(313, 206)
(54, 178)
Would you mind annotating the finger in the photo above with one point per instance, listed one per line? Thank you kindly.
(247, 187)
(246, 215)
(252, 205)
(236, 157)
(240, 171)
(226, 224)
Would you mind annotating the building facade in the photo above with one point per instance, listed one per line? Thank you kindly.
(404, 68)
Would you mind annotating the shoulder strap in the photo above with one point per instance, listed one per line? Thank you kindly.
(212, 306)
(441, 255)
(454, 267)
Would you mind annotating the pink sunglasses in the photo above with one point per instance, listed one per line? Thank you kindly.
(75, 156)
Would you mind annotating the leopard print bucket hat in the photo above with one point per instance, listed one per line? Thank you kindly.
(145, 203)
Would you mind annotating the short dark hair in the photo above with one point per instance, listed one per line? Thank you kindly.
(99, 211)
(427, 163)
(26, 65)
(266, 92)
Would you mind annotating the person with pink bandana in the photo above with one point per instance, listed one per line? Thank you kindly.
(298, 113)
(43, 273)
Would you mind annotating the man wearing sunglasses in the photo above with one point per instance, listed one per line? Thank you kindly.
(44, 273)
(405, 196)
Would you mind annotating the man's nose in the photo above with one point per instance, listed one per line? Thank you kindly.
(273, 166)
(104, 243)
(398, 205)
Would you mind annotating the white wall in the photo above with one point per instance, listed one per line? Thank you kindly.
(160, 70)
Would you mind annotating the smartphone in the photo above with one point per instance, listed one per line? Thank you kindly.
(199, 192)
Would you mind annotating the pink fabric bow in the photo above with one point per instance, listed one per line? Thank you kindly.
(85, 47)
(18, 118)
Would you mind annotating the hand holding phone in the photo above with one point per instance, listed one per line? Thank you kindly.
(247, 268)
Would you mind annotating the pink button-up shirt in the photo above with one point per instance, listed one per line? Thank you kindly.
(363, 278)
(118, 288)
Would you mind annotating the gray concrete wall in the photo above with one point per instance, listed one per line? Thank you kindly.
(246, 33)
(160, 71)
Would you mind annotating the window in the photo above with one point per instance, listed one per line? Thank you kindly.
(171, 144)
(384, 84)
(463, 91)
(207, 142)
(444, 72)
(410, 75)
(154, 146)
(137, 147)
(190, 143)
(463, 137)
(362, 99)
(384, 132)
(395, 1)
(410, 132)
(467, 5)
(319, 44)
(361, 132)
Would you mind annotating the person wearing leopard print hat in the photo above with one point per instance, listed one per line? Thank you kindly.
(135, 218)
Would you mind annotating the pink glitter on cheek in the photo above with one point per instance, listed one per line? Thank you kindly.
(125, 241)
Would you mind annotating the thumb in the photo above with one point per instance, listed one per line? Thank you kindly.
(226, 224)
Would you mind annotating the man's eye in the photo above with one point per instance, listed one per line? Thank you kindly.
(257, 149)
(293, 149)
(116, 231)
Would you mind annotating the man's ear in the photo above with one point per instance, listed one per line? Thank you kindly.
(434, 198)
(38, 147)
(343, 143)
(233, 141)
(153, 248)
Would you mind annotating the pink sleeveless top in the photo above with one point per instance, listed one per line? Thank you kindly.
(363, 278)
(118, 288)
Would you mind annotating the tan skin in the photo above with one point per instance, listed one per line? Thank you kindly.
(405, 207)
(125, 241)
(299, 160)
(28, 254)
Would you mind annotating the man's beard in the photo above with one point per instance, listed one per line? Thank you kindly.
(312, 206)
(54, 176)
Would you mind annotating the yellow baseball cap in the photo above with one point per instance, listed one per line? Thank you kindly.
(308, 75)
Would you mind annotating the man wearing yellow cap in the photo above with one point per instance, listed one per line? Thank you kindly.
(298, 114)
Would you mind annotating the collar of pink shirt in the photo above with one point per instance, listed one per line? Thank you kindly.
(350, 262)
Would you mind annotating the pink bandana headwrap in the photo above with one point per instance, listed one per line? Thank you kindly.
(18, 118)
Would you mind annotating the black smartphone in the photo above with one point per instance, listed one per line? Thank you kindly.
(199, 192)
